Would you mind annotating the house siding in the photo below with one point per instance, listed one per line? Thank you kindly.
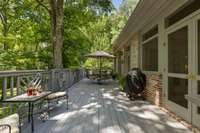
(134, 53)
(157, 82)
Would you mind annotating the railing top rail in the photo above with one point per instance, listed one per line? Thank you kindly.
(20, 72)
(30, 72)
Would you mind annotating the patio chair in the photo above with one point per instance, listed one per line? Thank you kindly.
(91, 75)
(10, 124)
(58, 94)
(5, 128)
(106, 75)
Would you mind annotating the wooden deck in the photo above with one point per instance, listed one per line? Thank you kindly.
(103, 109)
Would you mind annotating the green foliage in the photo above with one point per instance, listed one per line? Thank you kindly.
(127, 7)
(122, 82)
(25, 38)
(115, 75)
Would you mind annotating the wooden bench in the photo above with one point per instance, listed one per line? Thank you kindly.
(57, 96)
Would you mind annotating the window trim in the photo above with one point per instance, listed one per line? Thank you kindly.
(153, 37)
(178, 10)
(153, 72)
(182, 21)
(149, 30)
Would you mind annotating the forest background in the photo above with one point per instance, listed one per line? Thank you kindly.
(89, 25)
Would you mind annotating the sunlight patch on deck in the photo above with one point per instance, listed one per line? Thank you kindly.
(103, 109)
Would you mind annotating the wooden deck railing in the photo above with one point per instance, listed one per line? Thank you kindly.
(14, 83)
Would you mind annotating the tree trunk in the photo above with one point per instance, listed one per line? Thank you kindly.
(57, 29)
(5, 28)
(5, 34)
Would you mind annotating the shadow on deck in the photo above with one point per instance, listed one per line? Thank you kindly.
(104, 109)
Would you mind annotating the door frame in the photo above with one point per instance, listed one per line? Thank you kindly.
(195, 115)
(181, 111)
(189, 114)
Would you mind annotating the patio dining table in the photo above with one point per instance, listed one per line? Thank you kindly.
(24, 98)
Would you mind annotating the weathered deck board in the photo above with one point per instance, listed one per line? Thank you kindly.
(103, 109)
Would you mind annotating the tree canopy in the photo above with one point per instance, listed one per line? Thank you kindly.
(88, 25)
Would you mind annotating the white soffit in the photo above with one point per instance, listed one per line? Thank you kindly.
(145, 11)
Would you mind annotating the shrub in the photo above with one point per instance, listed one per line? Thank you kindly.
(115, 76)
(122, 82)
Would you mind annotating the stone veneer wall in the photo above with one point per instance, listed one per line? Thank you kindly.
(134, 54)
(153, 92)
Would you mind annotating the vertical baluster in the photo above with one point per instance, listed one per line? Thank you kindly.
(4, 90)
(79, 75)
(74, 77)
(52, 79)
(71, 76)
(18, 85)
(49, 80)
(11, 92)
(68, 77)
(12, 86)
(44, 81)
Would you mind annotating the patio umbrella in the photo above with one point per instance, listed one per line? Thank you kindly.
(100, 55)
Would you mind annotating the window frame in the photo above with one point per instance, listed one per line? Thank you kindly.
(177, 11)
(127, 57)
(143, 42)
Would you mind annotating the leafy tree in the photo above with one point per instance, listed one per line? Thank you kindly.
(9, 14)
(120, 16)
(35, 35)
(127, 7)
(79, 18)
(56, 11)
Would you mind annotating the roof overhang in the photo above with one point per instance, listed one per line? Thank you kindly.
(145, 12)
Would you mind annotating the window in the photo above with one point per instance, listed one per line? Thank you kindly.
(150, 50)
(150, 33)
(199, 47)
(198, 110)
(198, 90)
(129, 63)
(178, 88)
(127, 58)
(181, 13)
(178, 51)
(119, 63)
